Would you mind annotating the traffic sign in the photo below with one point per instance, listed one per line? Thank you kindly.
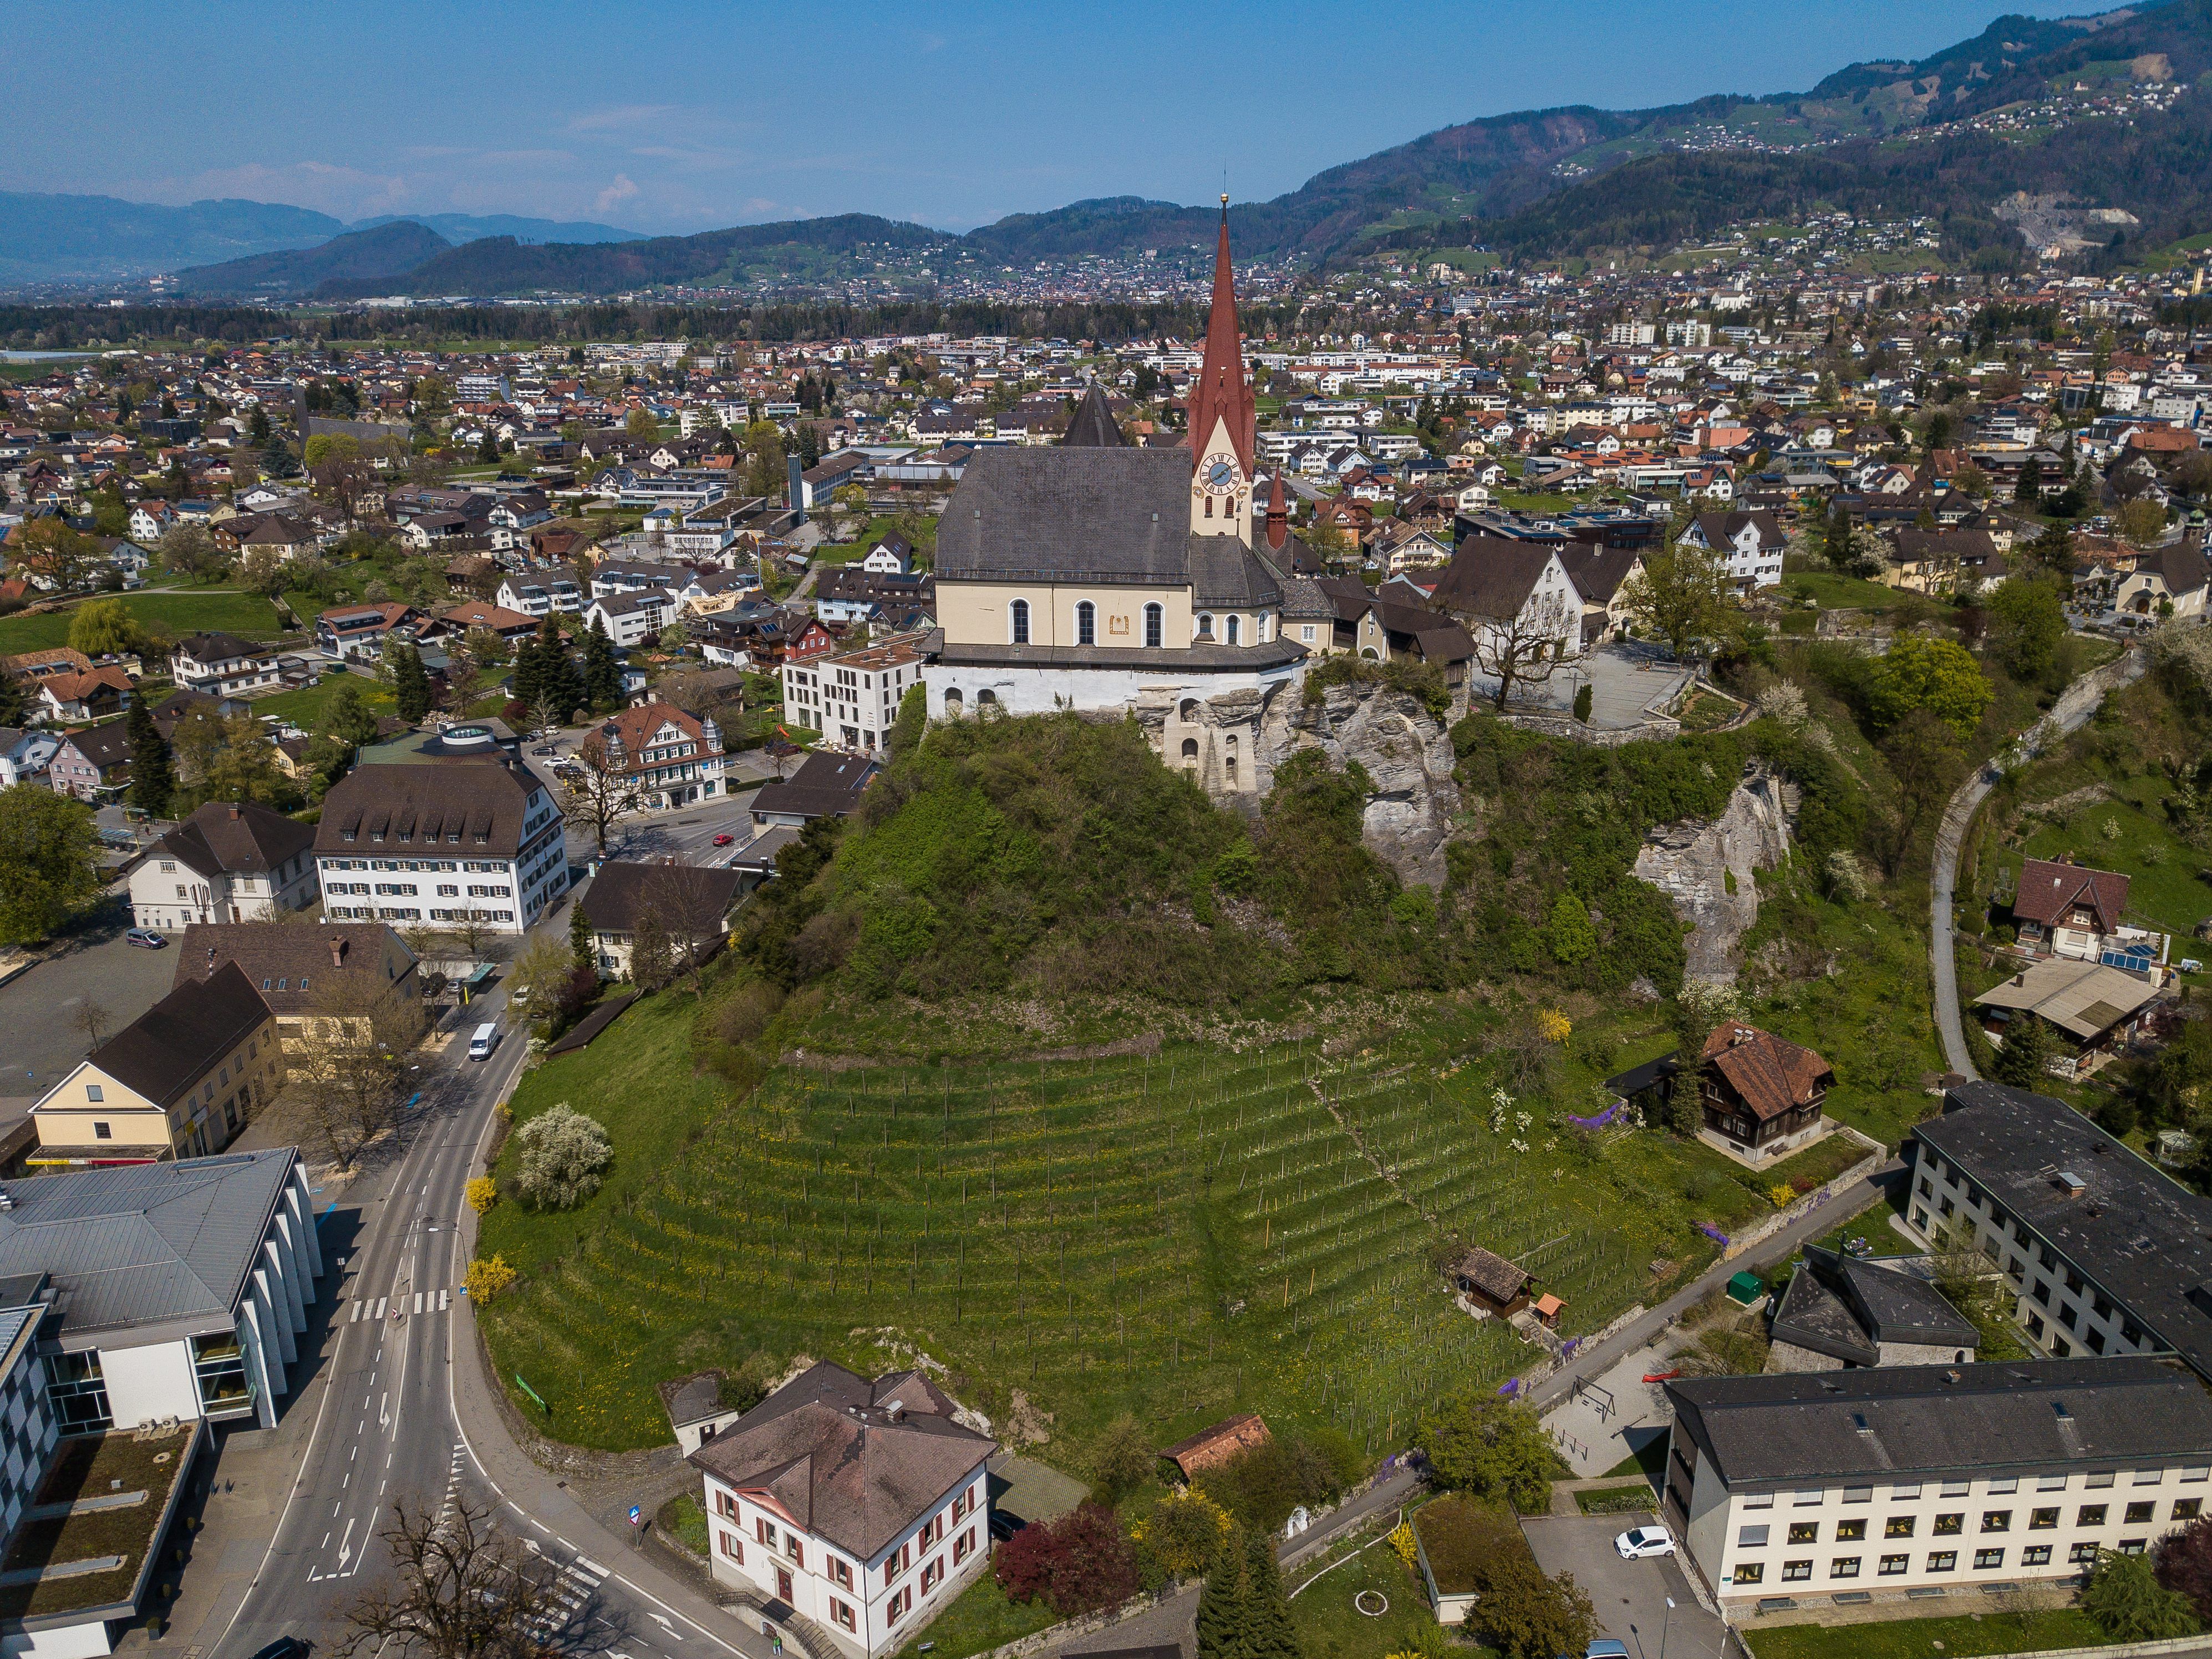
(636, 1515)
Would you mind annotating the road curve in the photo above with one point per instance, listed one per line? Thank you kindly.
(2072, 710)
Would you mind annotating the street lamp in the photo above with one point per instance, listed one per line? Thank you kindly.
(1666, 1625)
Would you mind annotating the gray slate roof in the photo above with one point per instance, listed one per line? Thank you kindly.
(1847, 1308)
(238, 837)
(1904, 1422)
(145, 1245)
(168, 1049)
(826, 1447)
(2145, 1239)
(1091, 514)
(468, 808)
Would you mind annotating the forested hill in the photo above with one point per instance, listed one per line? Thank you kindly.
(2106, 110)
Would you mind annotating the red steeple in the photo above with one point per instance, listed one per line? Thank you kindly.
(1219, 391)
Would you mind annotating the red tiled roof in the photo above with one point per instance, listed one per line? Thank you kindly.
(1211, 1448)
(1768, 1075)
(2049, 890)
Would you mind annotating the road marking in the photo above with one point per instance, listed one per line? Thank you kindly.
(380, 1307)
(354, 1316)
(445, 1300)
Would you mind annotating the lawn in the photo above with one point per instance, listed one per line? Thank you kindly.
(304, 708)
(1834, 591)
(1915, 1639)
(2130, 834)
(683, 1515)
(183, 613)
(1707, 710)
(980, 1618)
(1330, 1626)
(1648, 1460)
(1616, 1500)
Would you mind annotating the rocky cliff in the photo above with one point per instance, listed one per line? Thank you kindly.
(1405, 751)
(1706, 868)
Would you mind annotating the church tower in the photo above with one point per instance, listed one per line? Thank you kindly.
(1221, 415)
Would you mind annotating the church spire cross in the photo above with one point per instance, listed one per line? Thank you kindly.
(1219, 395)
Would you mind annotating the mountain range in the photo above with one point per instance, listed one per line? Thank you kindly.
(101, 239)
(2109, 111)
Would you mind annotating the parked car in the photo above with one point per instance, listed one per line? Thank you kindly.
(146, 939)
(1606, 1648)
(1640, 1543)
(284, 1647)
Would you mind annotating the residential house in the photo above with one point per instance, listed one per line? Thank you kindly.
(668, 757)
(1601, 577)
(25, 753)
(632, 618)
(359, 630)
(229, 861)
(94, 695)
(852, 699)
(2097, 1009)
(1904, 1479)
(2168, 581)
(1498, 587)
(863, 1506)
(2068, 910)
(1751, 542)
(360, 971)
(511, 626)
(224, 665)
(1936, 560)
(542, 593)
(179, 1081)
(695, 904)
(93, 764)
(1759, 1097)
(440, 841)
(1368, 622)
(205, 1323)
(826, 786)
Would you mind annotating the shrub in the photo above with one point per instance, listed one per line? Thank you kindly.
(564, 1158)
(1185, 1533)
(1780, 1194)
(483, 1193)
(1076, 1564)
(1553, 1026)
(1260, 1487)
(486, 1279)
(1123, 1461)
(1492, 1447)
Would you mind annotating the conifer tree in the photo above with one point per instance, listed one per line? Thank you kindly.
(409, 684)
(1268, 1631)
(525, 670)
(153, 774)
(1221, 1603)
(579, 938)
(602, 679)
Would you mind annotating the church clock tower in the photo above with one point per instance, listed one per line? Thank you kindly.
(1222, 418)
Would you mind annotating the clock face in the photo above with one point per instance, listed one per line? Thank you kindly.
(1220, 474)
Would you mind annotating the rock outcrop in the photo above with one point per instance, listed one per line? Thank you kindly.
(1405, 751)
(1707, 868)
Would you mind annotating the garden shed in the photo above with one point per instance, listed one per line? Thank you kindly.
(1488, 1283)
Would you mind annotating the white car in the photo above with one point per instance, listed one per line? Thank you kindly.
(1638, 1543)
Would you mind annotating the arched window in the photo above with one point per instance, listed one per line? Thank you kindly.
(1234, 627)
(1154, 619)
(1187, 709)
(986, 700)
(954, 705)
(1229, 759)
(1205, 625)
(1190, 755)
(1370, 653)
(1019, 611)
(1086, 624)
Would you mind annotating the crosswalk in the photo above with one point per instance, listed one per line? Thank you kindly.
(420, 1301)
(574, 1587)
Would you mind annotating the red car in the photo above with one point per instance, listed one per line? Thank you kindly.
(724, 840)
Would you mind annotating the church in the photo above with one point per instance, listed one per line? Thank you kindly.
(1097, 576)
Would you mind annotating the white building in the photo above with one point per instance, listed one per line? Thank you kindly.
(851, 699)
(441, 841)
(669, 757)
(229, 861)
(633, 618)
(224, 666)
(864, 1506)
(1898, 1481)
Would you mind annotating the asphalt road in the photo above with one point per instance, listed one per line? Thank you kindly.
(385, 1431)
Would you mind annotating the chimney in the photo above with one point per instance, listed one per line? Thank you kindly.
(894, 1410)
(235, 810)
(338, 950)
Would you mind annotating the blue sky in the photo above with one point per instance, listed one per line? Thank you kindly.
(677, 117)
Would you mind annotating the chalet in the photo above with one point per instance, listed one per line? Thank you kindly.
(1488, 1284)
(1760, 1097)
(2068, 910)
(91, 695)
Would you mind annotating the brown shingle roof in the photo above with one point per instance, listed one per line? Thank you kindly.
(2048, 890)
(473, 807)
(295, 959)
(169, 1048)
(1771, 1076)
(621, 892)
(1211, 1448)
(1491, 1274)
(832, 1454)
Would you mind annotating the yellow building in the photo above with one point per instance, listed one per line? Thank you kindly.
(180, 1081)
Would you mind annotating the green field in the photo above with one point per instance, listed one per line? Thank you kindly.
(246, 614)
(1966, 1638)
(1833, 591)
(980, 1618)
(2166, 889)
(1330, 1626)
(304, 708)
(1174, 1237)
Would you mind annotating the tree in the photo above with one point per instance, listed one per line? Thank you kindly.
(348, 718)
(683, 903)
(189, 552)
(2183, 1562)
(2051, 550)
(1925, 758)
(345, 1069)
(2143, 521)
(1123, 1463)
(640, 424)
(15, 703)
(92, 1019)
(1523, 650)
(1585, 700)
(153, 772)
(2029, 490)
(539, 971)
(2027, 1051)
(411, 684)
(1078, 1563)
(2025, 622)
(264, 571)
(602, 676)
(1492, 1448)
(1918, 671)
(101, 628)
(602, 793)
(1572, 936)
(1680, 595)
(1529, 1616)
(1268, 1631)
(2126, 1598)
(650, 956)
(1221, 1605)
(48, 871)
(1186, 1532)
(459, 1590)
(564, 1155)
(60, 557)
(582, 953)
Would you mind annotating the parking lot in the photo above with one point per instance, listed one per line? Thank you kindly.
(39, 1010)
(1630, 1596)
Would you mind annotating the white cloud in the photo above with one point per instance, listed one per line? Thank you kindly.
(615, 194)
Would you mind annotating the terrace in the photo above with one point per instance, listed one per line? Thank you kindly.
(87, 1544)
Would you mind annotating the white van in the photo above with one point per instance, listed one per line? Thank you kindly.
(485, 1040)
